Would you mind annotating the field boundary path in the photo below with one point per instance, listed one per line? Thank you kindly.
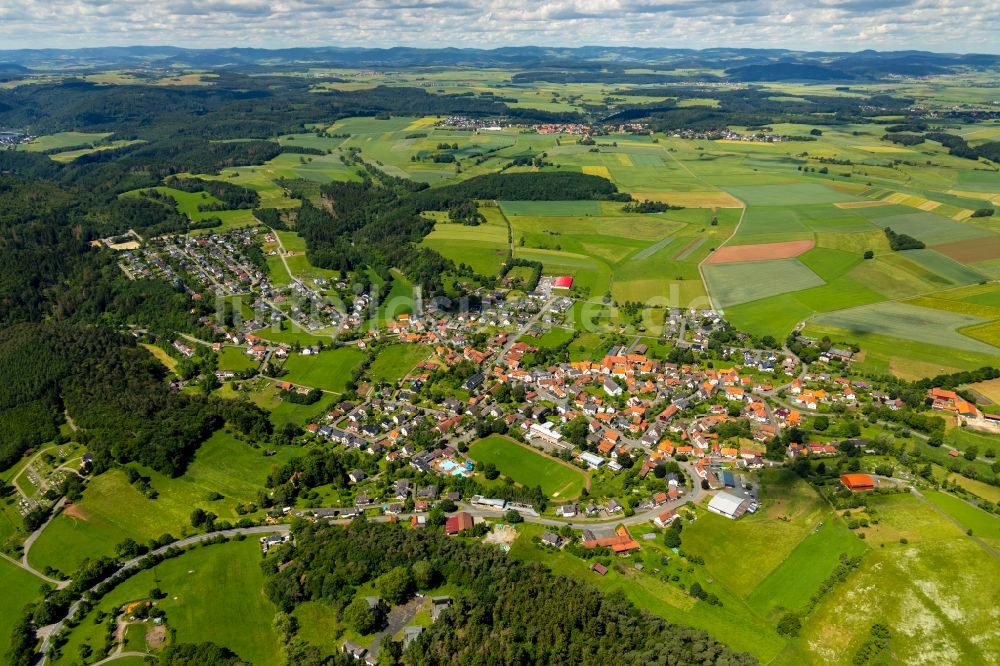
(701, 264)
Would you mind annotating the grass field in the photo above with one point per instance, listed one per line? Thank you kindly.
(63, 140)
(482, 247)
(984, 525)
(329, 370)
(741, 554)
(394, 362)
(112, 510)
(528, 467)
(168, 361)
(19, 589)
(940, 609)
(791, 583)
(236, 359)
(213, 593)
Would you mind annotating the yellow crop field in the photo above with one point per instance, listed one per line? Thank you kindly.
(601, 171)
(692, 199)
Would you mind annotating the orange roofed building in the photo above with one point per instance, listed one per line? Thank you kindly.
(858, 482)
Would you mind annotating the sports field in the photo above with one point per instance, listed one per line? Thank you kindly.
(530, 468)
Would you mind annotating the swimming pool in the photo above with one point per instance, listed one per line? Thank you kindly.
(452, 467)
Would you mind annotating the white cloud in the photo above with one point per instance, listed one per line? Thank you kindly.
(945, 25)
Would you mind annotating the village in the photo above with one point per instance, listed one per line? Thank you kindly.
(627, 412)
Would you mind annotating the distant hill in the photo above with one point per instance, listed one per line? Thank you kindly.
(786, 71)
(583, 63)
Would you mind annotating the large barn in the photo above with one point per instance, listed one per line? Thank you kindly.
(728, 505)
(858, 482)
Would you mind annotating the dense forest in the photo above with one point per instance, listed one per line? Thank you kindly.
(113, 390)
(505, 611)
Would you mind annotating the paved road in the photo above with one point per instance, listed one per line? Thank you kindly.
(27, 567)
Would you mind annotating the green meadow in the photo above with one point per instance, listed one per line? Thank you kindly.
(214, 593)
(396, 361)
(20, 588)
(940, 608)
(112, 510)
(329, 370)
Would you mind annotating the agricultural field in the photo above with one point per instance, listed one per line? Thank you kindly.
(732, 284)
(112, 510)
(530, 468)
(909, 322)
(213, 593)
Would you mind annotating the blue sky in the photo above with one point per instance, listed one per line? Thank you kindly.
(849, 25)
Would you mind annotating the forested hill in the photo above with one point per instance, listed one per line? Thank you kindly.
(115, 393)
(505, 611)
(235, 106)
(378, 222)
(75, 362)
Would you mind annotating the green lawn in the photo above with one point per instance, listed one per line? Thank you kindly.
(19, 589)
(554, 337)
(236, 359)
(524, 465)
(213, 593)
(395, 361)
(112, 510)
(268, 396)
(329, 370)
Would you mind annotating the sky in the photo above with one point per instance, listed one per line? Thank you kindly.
(956, 26)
